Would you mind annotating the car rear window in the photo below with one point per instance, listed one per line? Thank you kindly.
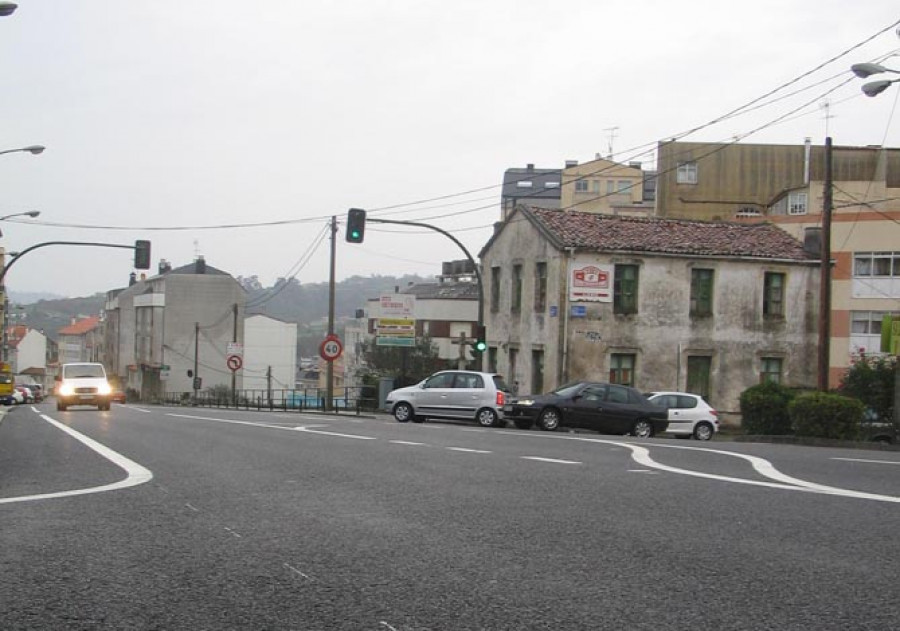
(468, 381)
(500, 384)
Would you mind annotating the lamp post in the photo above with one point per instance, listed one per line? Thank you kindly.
(32, 149)
(4, 303)
(874, 88)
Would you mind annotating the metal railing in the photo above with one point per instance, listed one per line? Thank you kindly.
(350, 399)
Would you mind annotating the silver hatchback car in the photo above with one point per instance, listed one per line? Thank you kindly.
(451, 394)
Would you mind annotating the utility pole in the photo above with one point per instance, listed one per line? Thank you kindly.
(825, 273)
(196, 383)
(234, 338)
(329, 366)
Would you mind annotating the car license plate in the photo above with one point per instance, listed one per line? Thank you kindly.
(86, 396)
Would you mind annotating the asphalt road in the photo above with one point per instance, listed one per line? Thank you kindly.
(189, 518)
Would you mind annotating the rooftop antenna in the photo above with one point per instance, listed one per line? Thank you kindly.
(196, 248)
(610, 137)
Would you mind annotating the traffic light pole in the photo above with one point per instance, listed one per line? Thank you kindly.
(45, 244)
(461, 247)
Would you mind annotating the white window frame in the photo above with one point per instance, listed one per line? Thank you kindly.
(581, 186)
(686, 173)
(798, 203)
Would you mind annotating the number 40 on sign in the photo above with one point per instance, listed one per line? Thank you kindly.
(331, 348)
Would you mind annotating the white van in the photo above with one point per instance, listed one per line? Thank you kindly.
(82, 384)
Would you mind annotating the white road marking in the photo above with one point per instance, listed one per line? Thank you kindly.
(267, 426)
(296, 571)
(650, 471)
(469, 451)
(641, 455)
(137, 409)
(232, 532)
(553, 460)
(193, 508)
(390, 628)
(407, 442)
(136, 474)
(867, 461)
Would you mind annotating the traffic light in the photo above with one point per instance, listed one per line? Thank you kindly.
(142, 254)
(356, 225)
(480, 344)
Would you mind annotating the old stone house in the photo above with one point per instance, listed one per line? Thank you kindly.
(709, 307)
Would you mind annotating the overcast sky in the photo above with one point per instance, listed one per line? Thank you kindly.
(165, 119)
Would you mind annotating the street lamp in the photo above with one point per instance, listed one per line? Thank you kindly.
(4, 303)
(32, 149)
(7, 8)
(873, 88)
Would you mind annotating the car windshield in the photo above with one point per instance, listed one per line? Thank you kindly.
(83, 371)
(568, 390)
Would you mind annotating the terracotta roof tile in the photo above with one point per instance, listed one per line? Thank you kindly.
(81, 327)
(668, 236)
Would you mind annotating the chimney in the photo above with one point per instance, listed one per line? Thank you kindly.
(812, 241)
(530, 167)
(571, 163)
(200, 265)
(164, 266)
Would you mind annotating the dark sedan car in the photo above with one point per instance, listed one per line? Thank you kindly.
(604, 407)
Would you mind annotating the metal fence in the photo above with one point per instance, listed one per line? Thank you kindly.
(354, 400)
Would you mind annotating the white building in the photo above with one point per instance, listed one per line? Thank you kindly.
(270, 353)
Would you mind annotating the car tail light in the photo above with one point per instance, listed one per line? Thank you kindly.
(500, 398)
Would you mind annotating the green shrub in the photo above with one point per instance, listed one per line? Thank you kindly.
(826, 415)
(870, 379)
(764, 409)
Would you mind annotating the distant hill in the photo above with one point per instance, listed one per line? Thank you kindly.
(289, 300)
(29, 297)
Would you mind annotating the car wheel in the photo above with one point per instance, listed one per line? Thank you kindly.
(61, 407)
(522, 423)
(487, 417)
(403, 412)
(703, 431)
(549, 419)
(642, 428)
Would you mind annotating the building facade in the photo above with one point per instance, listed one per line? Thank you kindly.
(81, 341)
(270, 354)
(167, 330)
(785, 185)
(712, 308)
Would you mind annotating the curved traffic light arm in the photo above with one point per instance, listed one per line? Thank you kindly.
(141, 248)
(461, 247)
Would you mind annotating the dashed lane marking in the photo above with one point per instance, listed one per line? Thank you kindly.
(551, 460)
(867, 461)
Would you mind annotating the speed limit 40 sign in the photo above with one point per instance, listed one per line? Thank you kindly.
(331, 348)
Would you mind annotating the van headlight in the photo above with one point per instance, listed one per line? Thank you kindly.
(104, 389)
(66, 390)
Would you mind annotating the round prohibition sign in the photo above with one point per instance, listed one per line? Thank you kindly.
(234, 362)
(331, 348)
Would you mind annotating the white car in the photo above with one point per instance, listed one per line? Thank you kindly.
(689, 414)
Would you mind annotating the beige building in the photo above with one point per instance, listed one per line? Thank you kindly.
(785, 184)
(712, 308)
(604, 186)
